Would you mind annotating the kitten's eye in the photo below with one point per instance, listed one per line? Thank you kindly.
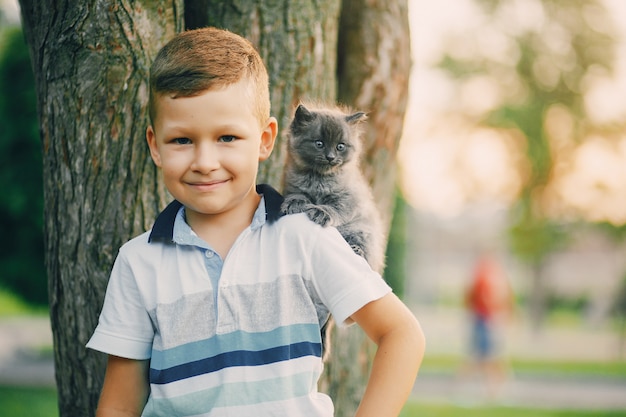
(181, 141)
(341, 147)
(319, 144)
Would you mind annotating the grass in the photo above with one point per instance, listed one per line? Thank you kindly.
(25, 401)
(414, 409)
(28, 402)
(612, 369)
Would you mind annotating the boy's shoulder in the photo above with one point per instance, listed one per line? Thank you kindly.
(162, 231)
(299, 228)
(293, 224)
(140, 242)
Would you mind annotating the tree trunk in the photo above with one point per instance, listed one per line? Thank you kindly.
(538, 295)
(91, 62)
(373, 75)
(374, 66)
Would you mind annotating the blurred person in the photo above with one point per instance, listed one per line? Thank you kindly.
(489, 302)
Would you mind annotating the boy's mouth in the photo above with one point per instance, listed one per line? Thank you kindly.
(207, 185)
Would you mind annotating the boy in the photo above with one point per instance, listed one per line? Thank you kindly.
(217, 310)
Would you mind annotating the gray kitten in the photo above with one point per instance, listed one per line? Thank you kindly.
(323, 178)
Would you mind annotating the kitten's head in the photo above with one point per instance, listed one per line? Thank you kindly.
(325, 139)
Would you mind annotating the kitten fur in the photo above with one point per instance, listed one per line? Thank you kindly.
(322, 178)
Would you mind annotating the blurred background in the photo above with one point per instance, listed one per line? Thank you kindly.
(515, 140)
(514, 147)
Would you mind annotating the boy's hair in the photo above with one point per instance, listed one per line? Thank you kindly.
(209, 58)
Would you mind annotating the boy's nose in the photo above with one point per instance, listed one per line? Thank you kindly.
(206, 158)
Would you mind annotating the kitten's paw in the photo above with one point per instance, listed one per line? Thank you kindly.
(293, 206)
(319, 216)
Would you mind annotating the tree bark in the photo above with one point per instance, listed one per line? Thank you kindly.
(91, 62)
(373, 72)
(373, 75)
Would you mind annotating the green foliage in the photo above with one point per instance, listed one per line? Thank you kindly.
(13, 305)
(619, 303)
(395, 270)
(574, 304)
(617, 233)
(548, 63)
(10, 305)
(21, 200)
(532, 237)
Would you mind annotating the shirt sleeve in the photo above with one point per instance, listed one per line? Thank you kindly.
(344, 280)
(124, 328)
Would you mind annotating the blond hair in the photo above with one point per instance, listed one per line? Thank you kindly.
(209, 58)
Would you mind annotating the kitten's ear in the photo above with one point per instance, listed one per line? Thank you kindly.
(356, 117)
(303, 114)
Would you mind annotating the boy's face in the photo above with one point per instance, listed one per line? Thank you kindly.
(209, 147)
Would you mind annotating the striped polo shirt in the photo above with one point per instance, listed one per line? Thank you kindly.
(239, 336)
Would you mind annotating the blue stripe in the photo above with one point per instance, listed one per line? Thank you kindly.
(233, 359)
(217, 344)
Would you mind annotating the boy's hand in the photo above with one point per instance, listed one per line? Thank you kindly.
(390, 324)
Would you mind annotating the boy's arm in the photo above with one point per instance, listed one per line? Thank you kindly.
(396, 331)
(125, 390)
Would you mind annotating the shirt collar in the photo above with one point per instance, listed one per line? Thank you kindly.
(164, 226)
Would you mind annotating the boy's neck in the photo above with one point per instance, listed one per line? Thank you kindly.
(221, 230)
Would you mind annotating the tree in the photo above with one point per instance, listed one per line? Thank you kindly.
(543, 66)
(396, 255)
(91, 62)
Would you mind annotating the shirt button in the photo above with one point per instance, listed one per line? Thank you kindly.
(209, 253)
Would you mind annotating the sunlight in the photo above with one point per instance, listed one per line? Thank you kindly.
(11, 10)
(595, 185)
(447, 164)
(444, 171)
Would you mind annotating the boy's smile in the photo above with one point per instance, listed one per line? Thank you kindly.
(209, 147)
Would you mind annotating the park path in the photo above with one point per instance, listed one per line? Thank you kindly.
(446, 333)
(23, 339)
(531, 391)
(26, 351)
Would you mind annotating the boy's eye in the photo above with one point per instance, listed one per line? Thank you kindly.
(341, 147)
(181, 141)
(227, 138)
(319, 144)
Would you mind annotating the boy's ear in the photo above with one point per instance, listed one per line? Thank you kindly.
(268, 138)
(154, 150)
